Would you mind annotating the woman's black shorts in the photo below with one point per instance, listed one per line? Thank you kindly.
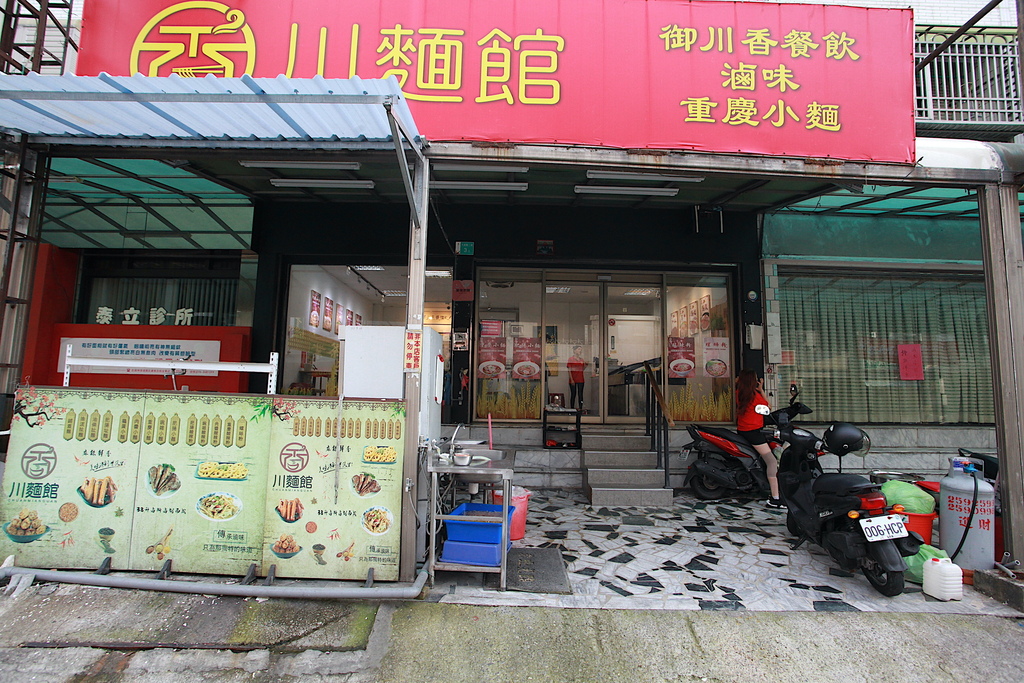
(754, 436)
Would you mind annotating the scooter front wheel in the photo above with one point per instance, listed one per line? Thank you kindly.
(888, 583)
(706, 488)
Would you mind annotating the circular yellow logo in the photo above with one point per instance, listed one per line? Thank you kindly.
(194, 39)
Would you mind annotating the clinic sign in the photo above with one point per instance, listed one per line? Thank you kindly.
(779, 79)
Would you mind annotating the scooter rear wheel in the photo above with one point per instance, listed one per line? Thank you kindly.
(791, 524)
(887, 583)
(705, 488)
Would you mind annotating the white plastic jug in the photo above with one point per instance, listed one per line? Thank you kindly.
(943, 579)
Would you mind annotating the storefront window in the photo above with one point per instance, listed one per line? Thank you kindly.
(509, 362)
(700, 350)
(572, 353)
(887, 349)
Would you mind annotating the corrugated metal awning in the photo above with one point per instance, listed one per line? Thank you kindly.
(222, 113)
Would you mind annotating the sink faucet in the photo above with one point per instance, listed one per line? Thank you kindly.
(451, 447)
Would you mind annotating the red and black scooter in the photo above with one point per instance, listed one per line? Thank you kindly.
(725, 464)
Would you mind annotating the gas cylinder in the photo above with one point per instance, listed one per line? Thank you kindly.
(956, 496)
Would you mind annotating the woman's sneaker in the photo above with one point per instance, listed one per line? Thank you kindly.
(774, 503)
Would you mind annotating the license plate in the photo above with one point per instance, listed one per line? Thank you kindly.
(883, 528)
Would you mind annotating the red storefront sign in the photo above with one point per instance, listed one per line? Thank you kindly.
(781, 79)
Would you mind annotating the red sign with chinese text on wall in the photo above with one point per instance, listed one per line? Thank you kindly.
(780, 79)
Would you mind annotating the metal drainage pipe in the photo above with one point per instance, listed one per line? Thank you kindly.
(302, 592)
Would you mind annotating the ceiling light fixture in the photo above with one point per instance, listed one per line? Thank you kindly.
(640, 291)
(438, 273)
(394, 292)
(326, 165)
(653, 177)
(557, 290)
(647, 191)
(480, 168)
(367, 267)
(323, 182)
(468, 185)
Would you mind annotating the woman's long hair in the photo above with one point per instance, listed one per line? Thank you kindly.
(746, 387)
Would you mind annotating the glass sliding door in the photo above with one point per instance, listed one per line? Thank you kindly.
(632, 336)
(572, 345)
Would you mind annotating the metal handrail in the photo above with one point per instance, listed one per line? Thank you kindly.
(658, 420)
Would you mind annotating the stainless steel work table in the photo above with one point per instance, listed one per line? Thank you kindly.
(500, 468)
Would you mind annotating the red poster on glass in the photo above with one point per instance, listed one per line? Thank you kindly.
(314, 308)
(911, 361)
(492, 328)
(525, 358)
(491, 358)
(328, 313)
(681, 357)
(736, 77)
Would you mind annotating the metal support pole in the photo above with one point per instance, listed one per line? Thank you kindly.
(1004, 284)
(413, 380)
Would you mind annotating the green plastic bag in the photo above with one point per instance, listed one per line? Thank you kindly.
(910, 496)
(915, 563)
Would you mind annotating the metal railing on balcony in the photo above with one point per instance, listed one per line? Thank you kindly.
(972, 88)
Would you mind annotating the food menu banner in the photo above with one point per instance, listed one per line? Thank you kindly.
(213, 482)
(334, 490)
(681, 357)
(200, 488)
(716, 357)
(756, 78)
(69, 482)
(491, 358)
(525, 358)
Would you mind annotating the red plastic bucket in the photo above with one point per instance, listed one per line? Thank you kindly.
(922, 524)
(521, 500)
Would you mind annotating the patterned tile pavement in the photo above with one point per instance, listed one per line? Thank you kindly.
(730, 555)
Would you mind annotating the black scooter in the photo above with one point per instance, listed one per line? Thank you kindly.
(846, 514)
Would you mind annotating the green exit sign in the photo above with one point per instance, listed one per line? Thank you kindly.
(465, 248)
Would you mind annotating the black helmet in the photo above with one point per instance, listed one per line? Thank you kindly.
(842, 438)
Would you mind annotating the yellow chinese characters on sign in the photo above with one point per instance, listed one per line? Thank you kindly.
(743, 76)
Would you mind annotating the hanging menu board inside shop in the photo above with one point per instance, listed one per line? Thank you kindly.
(69, 482)
(213, 482)
(334, 490)
(200, 490)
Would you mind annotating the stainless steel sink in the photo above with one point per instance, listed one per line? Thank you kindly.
(489, 453)
(480, 476)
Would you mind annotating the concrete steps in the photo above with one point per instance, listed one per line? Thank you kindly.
(624, 477)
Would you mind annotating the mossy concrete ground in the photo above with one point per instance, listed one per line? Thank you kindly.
(80, 614)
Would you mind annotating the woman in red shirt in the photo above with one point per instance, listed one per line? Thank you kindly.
(749, 395)
(576, 365)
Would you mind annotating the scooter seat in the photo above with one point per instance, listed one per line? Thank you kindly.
(841, 484)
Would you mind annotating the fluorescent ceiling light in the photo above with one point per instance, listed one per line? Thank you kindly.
(640, 291)
(649, 191)
(558, 290)
(438, 273)
(327, 165)
(367, 267)
(480, 168)
(653, 177)
(323, 182)
(394, 292)
(468, 185)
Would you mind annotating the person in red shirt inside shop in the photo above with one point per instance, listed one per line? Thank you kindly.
(575, 365)
(749, 395)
